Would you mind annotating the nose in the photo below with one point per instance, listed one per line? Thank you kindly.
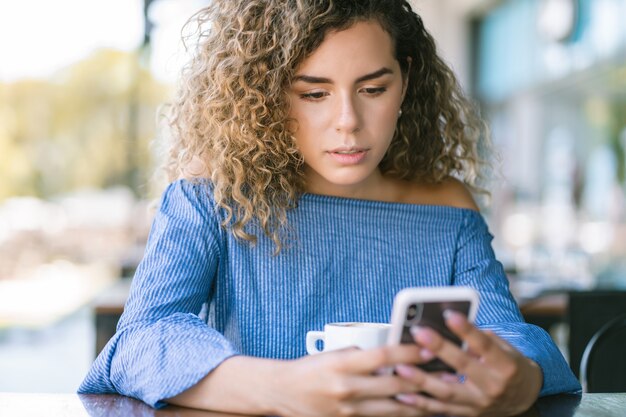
(347, 120)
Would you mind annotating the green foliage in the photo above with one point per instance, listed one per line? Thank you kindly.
(90, 125)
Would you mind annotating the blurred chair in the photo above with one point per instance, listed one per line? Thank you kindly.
(603, 365)
(588, 312)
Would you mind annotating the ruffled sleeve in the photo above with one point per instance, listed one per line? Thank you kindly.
(162, 347)
(476, 266)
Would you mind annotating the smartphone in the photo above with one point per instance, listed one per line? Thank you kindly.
(424, 306)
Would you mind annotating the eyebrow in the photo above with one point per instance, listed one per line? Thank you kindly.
(322, 80)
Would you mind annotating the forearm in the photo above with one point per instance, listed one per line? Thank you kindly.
(534, 343)
(241, 384)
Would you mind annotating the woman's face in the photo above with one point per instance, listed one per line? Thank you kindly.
(345, 99)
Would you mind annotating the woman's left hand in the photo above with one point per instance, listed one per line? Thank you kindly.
(498, 380)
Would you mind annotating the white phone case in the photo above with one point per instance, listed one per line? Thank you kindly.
(427, 304)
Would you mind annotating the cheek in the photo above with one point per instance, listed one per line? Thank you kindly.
(292, 125)
(387, 120)
(308, 122)
(309, 117)
(301, 130)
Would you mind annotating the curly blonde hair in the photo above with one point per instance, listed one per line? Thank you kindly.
(230, 117)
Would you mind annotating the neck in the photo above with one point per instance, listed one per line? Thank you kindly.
(376, 187)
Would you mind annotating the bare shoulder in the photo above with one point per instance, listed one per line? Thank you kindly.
(450, 192)
(454, 193)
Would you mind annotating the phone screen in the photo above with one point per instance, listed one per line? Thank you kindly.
(430, 314)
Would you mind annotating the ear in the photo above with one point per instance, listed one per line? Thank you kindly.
(405, 77)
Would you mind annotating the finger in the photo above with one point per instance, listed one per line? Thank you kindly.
(479, 343)
(447, 388)
(484, 381)
(492, 350)
(438, 386)
(382, 386)
(386, 407)
(371, 360)
(453, 355)
(434, 406)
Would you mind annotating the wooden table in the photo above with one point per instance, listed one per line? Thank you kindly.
(72, 405)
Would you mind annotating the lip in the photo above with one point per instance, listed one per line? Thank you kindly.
(348, 155)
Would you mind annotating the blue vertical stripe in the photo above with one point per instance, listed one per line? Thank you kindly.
(348, 261)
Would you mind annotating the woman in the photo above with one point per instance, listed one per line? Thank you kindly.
(324, 138)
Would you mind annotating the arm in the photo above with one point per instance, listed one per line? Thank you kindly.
(162, 346)
(477, 267)
(507, 362)
(164, 353)
(330, 384)
(239, 385)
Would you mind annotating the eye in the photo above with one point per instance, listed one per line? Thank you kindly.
(313, 95)
(374, 91)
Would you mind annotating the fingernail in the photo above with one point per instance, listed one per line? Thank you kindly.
(426, 354)
(446, 377)
(409, 399)
(421, 334)
(452, 315)
(405, 371)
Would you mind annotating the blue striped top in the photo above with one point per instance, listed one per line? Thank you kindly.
(200, 296)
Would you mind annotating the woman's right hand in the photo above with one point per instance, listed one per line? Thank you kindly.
(349, 383)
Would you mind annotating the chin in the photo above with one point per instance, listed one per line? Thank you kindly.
(347, 181)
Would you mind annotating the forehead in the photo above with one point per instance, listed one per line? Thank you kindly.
(364, 44)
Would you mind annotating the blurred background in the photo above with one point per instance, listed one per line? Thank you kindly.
(81, 82)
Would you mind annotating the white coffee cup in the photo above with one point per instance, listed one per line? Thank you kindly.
(348, 334)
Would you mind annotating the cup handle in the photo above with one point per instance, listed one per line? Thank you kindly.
(312, 338)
